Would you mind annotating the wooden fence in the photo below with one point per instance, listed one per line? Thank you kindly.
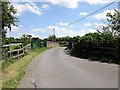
(16, 53)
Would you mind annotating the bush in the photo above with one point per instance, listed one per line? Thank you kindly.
(96, 46)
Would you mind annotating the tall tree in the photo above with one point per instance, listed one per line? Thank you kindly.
(114, 22)
(8, 19)
(113, 26)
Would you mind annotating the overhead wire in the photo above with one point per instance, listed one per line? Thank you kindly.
(92, 13)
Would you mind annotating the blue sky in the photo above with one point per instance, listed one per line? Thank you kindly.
(39, 18)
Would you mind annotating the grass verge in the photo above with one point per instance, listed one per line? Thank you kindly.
(13, 71)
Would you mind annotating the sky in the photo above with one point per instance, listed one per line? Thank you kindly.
(38, 18)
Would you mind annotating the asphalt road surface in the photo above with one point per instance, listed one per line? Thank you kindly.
(55, 69)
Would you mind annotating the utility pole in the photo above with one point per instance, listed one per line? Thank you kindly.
(54, 34)
(54, 31)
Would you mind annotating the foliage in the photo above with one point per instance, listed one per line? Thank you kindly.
(26, 39)
(113, 26)
(63, 41)
(15, 47)
(9, 40)
(8, 19)
(52, 38)
(7, 15)
(103, 45)
(114, 22)
(6, 63)
(96, 45)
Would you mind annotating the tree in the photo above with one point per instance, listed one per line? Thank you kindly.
(10, 40)
(7, 15)
(114, 22)
(113, 26)
(26, 39)
(8, 19)
(52, 38)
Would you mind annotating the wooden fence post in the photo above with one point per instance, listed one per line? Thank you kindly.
(18, 54)
(10, 55)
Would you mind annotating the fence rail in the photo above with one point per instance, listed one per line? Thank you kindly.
(16, 53)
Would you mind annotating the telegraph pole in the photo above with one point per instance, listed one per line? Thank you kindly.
(54, 31)
(54, 34)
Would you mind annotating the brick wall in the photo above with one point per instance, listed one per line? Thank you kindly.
(51, 44)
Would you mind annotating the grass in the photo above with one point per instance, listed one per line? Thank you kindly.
(14, 47)
(13, 71)
(6, 63)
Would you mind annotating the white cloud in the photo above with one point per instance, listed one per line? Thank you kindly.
(83, 14)
(62, 24)
(85, 31)
(13, 28)
(65, 31)
(20, 9)
(34, 35)
(20, 26)
(103, 14)
(38, 30)
(32, 7)
(16, 28)
(61, 32)
(87, 24)
(45, 6)
(75, 3)
(66, 3)
(99, 24)
(98, 1)
(45, 32)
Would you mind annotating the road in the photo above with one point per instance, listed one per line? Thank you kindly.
(55, 69)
